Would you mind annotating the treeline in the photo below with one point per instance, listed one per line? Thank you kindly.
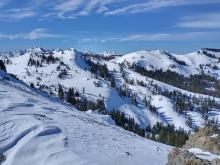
(194, 83)
(167, 134)
(99, 56)
(34, 62)
(159, 132)
(98, 69)
(44, 58)
(126, 122)
(81, 103)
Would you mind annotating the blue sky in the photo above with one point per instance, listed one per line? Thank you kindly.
(110, 25)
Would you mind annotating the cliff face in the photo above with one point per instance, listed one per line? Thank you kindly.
(207, 139)
(184, 157)
(202, 148)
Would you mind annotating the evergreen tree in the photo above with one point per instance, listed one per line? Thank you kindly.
(60, 92)
(113, 82)
(2, 66)
(32, 85)
(70, 96)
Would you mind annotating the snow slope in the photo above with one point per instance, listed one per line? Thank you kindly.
(37, 130)
(185, 64)
(81, 79)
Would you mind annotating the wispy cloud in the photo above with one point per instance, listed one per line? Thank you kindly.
(35, 34)
(210, 20)
(4, 2)
(40, 33)
(17, 13)
(155, 4)
(72, 9)
(184, 36)
(97, 40)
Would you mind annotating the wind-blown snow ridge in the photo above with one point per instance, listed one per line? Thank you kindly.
(38, 130)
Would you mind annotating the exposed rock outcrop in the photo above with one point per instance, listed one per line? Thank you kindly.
(184, 157)
(206, 139)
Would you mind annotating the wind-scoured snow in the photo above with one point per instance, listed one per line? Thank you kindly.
(36, 129)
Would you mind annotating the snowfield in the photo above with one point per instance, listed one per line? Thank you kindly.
(36, 129)
(185, 64)
(82, 80)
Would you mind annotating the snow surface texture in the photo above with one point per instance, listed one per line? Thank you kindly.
(203, 154)
(79, 77)
(40, 130)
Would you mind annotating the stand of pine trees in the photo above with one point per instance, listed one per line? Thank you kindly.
(159, 132)
(81, 103)
(125, 122)
(49, 58)
(194, 83)
(44, 58)
(167, 134)
(33, 62)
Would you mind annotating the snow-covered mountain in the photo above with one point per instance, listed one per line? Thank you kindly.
(145, 99)
(193, 63)
(40, 130)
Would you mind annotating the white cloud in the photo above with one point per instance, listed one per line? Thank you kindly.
(72, 9)
(97, 40)
(181, 36)
(146, 37)
(156, 4)
(210, 20)
(16, 14)
(38, 33)
(102, 9)
(184, 36)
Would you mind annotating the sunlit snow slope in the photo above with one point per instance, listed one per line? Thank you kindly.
(38, 130)
(80, 77)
